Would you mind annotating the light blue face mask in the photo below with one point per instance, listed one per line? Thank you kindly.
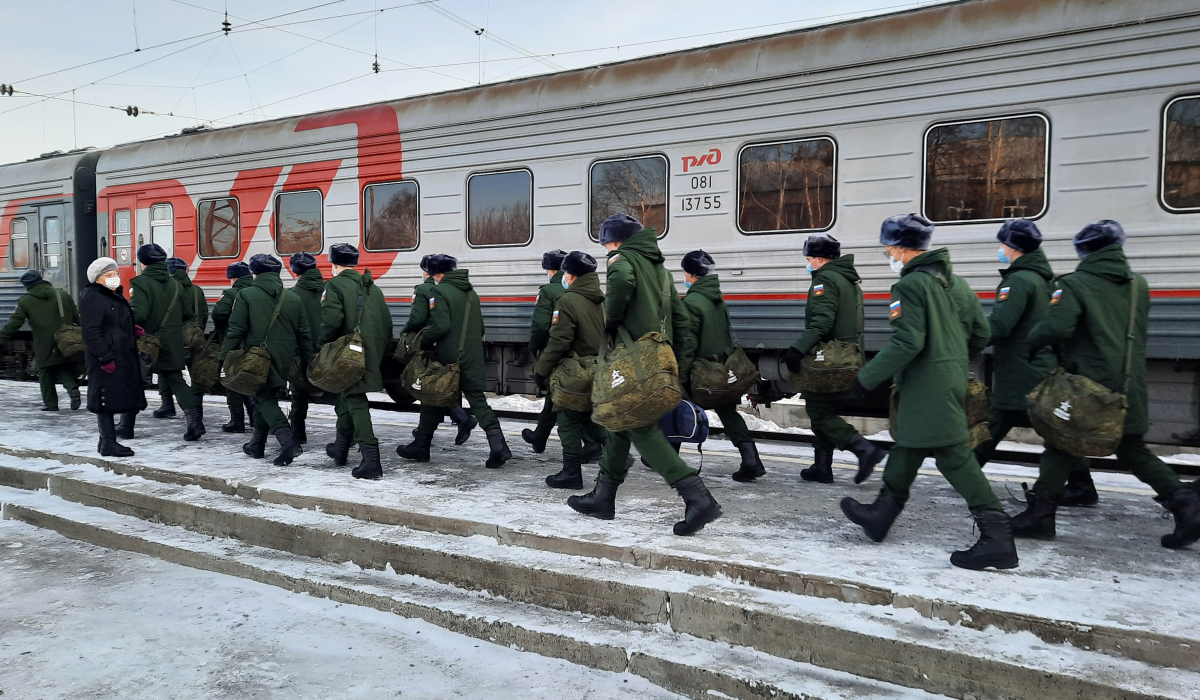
(1002, 257)
(565, 283)
(809, 268)
(687, 285)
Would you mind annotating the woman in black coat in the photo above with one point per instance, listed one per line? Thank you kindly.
(113, 369)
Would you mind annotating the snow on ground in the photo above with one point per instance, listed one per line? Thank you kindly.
(80, 621)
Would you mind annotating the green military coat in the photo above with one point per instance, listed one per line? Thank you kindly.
(194, 297)
(339, 314)
(39, 306)
(287, 338)
(543, 310)
(937, 327)
(833, 310)
(224, 306)
(642, 297)
(308, 289)
(448, 303)
(1021, 301)
(710, 335)
(1089, 318)
(150, 295)
(576, 324)
(418, 313)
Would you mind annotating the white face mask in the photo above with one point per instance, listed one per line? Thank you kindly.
(112, 282)
(897, 266)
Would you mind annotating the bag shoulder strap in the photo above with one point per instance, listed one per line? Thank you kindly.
(359, 308)
(274, 316)
(170, 307)
(1133, 290)
(61, 314)
(462, 337)
(862, 331)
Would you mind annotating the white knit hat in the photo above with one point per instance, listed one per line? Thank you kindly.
(99, 266)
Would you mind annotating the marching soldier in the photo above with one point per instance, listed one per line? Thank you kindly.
(539, 336)
(239, 406)
(641, 298)
(340, 313)
(453, 303)
(267, 314)
(418, 317)
(40, 306)
(712, 337)
(1089, 319)
(160, 306)
(198, 304)
(310, 285)
(937, 327)
(833, 312)
(576, 330)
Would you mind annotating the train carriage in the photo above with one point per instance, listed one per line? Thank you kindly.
(1063, 111)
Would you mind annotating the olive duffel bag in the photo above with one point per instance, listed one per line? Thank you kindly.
(205, 367)
(720, 384)
(341, 363)
(979, 400)
(571, 383)
(431, 382)
(636, 383)
(246, 369)
(69, 337)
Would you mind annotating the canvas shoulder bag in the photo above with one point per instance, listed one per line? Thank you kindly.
(832, 365)
(69, 337)
(205, 364)
(150, 344)
(341, 363)
(720, 384)
(431, 382)
(246, 369)
(193, 334)
(571, 383)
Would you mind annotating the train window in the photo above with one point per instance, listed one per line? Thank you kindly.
(51, 242)
(500, 208)
(786, 186)
(986, 170)
(162, 225)
(299, 222)
(218, 227)
(634, 186)
(1181, 154)
(18, 243)
(122, 237)
(390, 216)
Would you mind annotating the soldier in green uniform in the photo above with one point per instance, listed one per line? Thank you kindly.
(239, 406)
(267, 314)
(160, 306)
(40, 307)
(576, 330)
(539, 336)
(310, 285)
(341, 313)
(642, 298)
(198, 305)
(1089, 320)
(453, 303)
(711, 337)
(938, 326)
(418, 318)
(834, 311)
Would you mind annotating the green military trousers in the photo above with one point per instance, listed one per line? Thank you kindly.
(1055, 466)
(432, 416)
(1000, 421)
(49, 377)
(575, 427)
(174, 383)
(354, 418)
(268, 417)
(300, 403)
(165, 391)
(653, 447)
(548, 417)
(955, 462)
(735, 425)
(831, 430)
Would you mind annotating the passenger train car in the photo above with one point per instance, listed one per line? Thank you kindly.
(1063, 111)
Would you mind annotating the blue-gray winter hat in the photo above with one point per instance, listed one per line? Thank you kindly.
(31, 278)
(425, 262)
(343, 255)
(618, 228)
(1020, 234)
(553, 259)
(578, 263)
(302, 262)
(698, 263)
(174, 264)
(822, 245)
(1095, 236)
(442, 263)
(151, 253)
(911, 231)
(236, 270)
(265, 263)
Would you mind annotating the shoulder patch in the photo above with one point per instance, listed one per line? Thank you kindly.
(1056, 297)
(554, 319)
(896, 310)
(432, 302)
(1003, 293)
(615, 258)
(818, 290)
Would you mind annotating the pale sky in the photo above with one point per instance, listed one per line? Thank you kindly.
(308, 55)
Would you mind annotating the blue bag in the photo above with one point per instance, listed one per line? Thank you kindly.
(687, 422)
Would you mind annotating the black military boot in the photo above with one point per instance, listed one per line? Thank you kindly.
(996, 546)
(1037, 520)
(109, 447)
(339, 449)
(195, 425)
(167, 410)
(237, 419)
(1080, 491)
(1185, 506)
(289, 448)
(465, 422)
(571, 476)
(592, 451)
(868, 455)
(499, 449)
(257, 447)
(752, 467)
(299, 432)
(418, 449)
(874, 518)
(76, 399)
(701, 508)
(536, 438)
(821, 470)
(125, 427)
(600, 503)
(369, 467)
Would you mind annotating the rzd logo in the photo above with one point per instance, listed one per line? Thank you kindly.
(711, 158)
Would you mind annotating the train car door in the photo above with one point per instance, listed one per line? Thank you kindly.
(51, 249)
(156, 224)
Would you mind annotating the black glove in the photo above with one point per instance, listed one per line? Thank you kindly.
(857, 390)
(611, 326)
(792, 358)
(541, 382)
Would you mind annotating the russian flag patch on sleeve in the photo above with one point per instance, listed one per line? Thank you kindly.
(1003, 294)
(554, 319)
(895, 310)
(1056, 297)
(818, 290)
